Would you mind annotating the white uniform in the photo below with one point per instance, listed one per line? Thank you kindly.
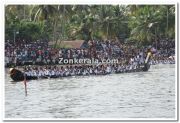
(40, 74)
(108, 69)
(47, 73)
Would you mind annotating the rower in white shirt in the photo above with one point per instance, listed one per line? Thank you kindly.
(52, 73)
(108, 69)
(57, 73)
(34, 73)
(47, 73)
(30, 73)
(72, 72)
(27, 73)
(90, 71)
(40, 73)
(96, 71)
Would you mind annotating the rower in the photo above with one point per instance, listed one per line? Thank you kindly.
(52, 74)
(90, 70)
(47, 73)
(108, 69)
(40, 73)
(146, 63)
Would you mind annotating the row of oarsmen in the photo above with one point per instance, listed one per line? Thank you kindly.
(88, 69)
(167, 61)
(80, 70)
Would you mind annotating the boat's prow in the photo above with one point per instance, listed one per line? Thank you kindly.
(17, 75)
(146, 63)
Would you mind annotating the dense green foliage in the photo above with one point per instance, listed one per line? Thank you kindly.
(142, 23)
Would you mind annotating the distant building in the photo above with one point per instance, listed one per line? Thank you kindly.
(79, 44)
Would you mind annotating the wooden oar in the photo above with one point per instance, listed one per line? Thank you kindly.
(25, 84)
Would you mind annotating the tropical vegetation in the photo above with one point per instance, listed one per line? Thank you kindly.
(141, 23)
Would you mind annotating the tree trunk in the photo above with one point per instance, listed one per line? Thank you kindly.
(54, 33)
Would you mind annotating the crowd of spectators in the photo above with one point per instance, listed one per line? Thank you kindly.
(40, 53)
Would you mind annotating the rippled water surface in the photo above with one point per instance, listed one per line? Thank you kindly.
(131, 95)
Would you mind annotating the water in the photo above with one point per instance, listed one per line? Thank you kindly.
(131, 95)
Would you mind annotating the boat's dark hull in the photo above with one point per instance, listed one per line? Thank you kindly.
(146, 67)
(17, 75)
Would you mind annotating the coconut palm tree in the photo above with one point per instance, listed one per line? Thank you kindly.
(43, 12)
(148, 23)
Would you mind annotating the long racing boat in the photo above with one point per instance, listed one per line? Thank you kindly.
(17, 75)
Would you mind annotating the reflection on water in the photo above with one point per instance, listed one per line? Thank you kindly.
(132, 95)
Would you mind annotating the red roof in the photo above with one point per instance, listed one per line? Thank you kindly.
(69, 44)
